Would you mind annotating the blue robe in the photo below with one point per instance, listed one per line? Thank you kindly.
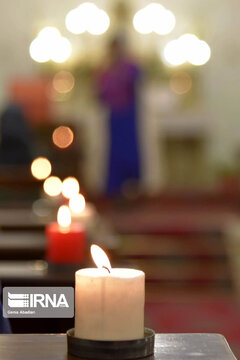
(117, 89)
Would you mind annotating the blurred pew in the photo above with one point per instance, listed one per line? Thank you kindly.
(22, 245)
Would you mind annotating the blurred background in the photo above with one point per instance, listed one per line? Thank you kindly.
(138, 103)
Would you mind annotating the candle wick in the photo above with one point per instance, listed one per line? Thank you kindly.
(105, 267)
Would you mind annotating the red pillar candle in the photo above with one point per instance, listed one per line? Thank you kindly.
(66, 241)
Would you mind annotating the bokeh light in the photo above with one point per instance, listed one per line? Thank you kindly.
(173, 53)
(181, 83)
(41, 168)
(187, 48)
(41, 207)
(64, 216)
(75, 23)
(166, 24)
(201, 55)
(88, 9)
(50, 45)
(154, 18)
(62, 137)
(154, 9)
(87, 17)
(63, 82)
(70, 187)
(62, 50)
(77, 204)
(49, 34)
(52, 186)
(38, 51)
(99, 23)
(142, 23)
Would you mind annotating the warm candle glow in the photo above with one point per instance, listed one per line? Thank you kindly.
(41, 168)
(77, 204)
(100, 257)
(52, 186)
(50, 45)
(70, 187)
(63, 82)
(64, 217)
(62, 137)
(87, 17)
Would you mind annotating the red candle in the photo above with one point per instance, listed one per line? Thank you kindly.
(66, 241)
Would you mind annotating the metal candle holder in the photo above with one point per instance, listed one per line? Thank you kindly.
(109, 350)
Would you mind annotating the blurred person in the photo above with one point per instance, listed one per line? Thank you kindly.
(117, 85)
(15, 136)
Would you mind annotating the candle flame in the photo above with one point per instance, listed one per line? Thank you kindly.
(64, 217)
(100, 257)
(41, 168)
(77, 204)
(70, 187)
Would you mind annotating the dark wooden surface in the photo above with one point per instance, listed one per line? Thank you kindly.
(167, 347)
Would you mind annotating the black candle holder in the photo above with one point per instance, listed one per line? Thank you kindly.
(109, 350)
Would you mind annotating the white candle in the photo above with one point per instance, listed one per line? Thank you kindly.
(109, 305)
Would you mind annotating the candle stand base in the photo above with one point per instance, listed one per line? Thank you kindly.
(111, 350)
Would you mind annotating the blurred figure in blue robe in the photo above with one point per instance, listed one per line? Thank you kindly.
(117, 89)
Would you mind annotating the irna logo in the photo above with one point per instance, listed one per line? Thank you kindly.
(35, 300)
(42, 302)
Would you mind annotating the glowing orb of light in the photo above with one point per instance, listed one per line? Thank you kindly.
(41, 168)
(99, 23)
(62, 137)
(141, 23)
(52, 186)
(38, 51)
(154, 17)
(153, 14)
(61, 50)
(50, 45)
(165, 24)
(75, 22)
(63, 82)
(70, 187)
(188, 44)
(49, 34)
(173, 53)
(88, 8)
(77, 204)
(181, 83)
(201, 55)
(187, 48)
(87, 17)
(64, 216)
(41, 207)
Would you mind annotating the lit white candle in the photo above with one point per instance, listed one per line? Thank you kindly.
(109, 303)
